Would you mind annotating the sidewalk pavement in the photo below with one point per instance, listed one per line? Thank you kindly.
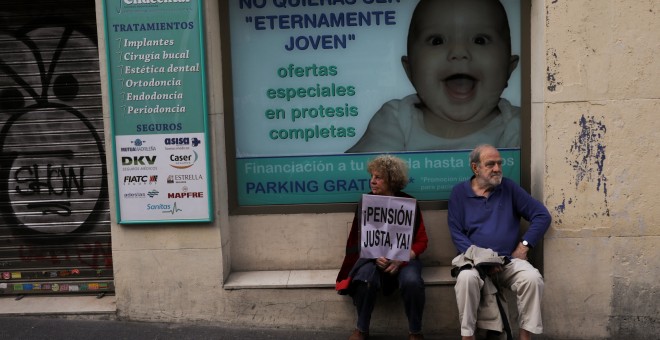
(52, 327)
(90, 317)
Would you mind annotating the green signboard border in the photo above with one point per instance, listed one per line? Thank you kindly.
(204, 99)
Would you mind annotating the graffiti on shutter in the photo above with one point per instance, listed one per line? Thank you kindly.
(54, 209)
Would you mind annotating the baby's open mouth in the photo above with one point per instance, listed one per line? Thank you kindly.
(460, 85)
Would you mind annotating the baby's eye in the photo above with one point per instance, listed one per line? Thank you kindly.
(436, 40)
(481, 40)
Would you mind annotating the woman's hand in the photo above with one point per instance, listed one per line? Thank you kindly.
(382, 263)
(388, 266)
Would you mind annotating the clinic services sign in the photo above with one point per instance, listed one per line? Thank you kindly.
(387, 227)
(158, 110)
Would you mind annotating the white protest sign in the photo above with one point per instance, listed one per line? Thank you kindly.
(387, 227)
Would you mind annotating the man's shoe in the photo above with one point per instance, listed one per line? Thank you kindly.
(416, 336)
(358, 335)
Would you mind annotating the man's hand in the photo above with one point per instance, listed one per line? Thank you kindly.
(494, 269)
(520, 252)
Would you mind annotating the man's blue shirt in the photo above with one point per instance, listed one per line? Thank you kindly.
(494, 221)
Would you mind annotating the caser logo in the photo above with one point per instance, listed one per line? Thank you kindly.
(183, 161)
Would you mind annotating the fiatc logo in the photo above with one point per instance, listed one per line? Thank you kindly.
(140, 180)
(183, 161)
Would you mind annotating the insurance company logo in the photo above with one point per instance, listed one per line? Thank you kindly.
(138, 160)
(183, 179)
(138, 145)
(138, 195)
(183, 161)
(164, 208)
(185, 193)
(152, 193)
(140, 180)
(181, 143)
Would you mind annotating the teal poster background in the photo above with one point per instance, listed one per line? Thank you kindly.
(307, 78)
(343, 178)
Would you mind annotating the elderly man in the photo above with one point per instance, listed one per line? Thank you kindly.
(485, 212)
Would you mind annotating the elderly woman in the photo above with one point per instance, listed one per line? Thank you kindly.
(361, 278)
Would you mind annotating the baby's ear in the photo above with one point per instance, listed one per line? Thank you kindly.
(406, 66)
(513, 63)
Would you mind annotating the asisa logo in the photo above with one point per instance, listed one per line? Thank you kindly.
(178, 143)
(183, 161)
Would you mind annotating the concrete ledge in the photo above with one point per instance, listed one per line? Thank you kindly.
(60, 304)
(315, 278)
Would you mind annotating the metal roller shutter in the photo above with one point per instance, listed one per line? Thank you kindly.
(54, 210)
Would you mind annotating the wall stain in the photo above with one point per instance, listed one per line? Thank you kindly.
(553, 65)
(560, 208)
(589, 161)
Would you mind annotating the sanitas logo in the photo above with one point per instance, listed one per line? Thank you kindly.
(173, 210)
(162, 207)
(183, 161)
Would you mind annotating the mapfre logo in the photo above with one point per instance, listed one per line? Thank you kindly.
(184, 193)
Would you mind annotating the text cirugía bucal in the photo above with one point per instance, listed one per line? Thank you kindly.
(315, 90)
